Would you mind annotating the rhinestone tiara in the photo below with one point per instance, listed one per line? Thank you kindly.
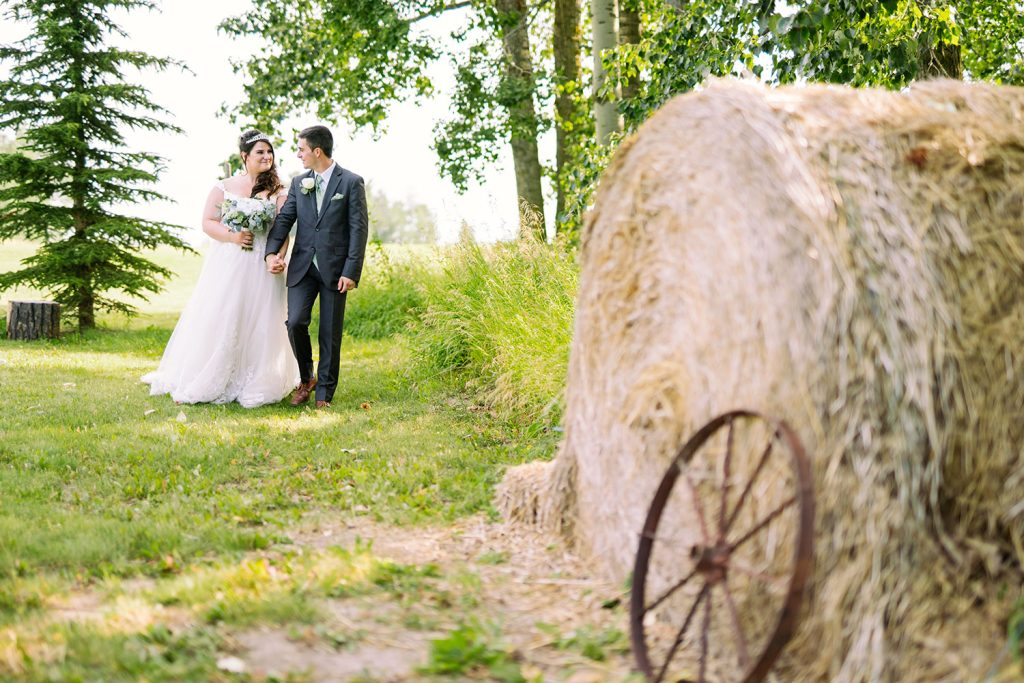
(255, 138)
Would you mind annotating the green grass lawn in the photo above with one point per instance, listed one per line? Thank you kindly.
(100, 481)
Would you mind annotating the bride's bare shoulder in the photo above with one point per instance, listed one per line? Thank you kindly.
(234, 185)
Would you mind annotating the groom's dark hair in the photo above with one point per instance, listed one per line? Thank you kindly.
(318, 136)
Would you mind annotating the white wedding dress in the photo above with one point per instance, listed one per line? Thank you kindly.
(230, 343)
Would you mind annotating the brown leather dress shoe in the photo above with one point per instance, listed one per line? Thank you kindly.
(301, 394)
(323, 404)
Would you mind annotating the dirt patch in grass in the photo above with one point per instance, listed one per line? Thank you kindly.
(278, 651)
(521, 595)
(352, 600)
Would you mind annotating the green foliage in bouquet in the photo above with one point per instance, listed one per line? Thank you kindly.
(249, 214)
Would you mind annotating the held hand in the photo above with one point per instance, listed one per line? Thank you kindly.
(345, 284)
(275, 264)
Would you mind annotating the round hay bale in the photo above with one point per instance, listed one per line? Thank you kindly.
(518, 496)
(850, 261)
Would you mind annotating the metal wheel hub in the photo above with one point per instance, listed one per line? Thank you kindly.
(713, 562)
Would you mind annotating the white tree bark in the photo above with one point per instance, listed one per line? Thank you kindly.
(606, 117)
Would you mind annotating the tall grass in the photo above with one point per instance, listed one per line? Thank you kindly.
(390, 293)
(499, 319)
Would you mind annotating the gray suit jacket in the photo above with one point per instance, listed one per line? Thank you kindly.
(337, 236)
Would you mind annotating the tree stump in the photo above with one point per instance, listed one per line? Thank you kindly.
(33, 320)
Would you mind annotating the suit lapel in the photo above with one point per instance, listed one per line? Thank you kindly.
(332, 187)
(312, 193)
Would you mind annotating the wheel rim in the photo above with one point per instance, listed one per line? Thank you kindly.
(719, 559)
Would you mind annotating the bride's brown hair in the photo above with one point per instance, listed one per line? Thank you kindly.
(267, 181)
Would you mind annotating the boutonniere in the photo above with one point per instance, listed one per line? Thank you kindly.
(337, 197)
(308, 185)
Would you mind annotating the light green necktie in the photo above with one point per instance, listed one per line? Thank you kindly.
(319, 199)
(319, 192)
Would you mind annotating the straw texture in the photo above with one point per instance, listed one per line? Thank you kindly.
(851, 261)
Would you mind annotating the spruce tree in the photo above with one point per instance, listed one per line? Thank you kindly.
(68, 102)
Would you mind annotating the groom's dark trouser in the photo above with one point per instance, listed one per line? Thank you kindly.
(332, 318)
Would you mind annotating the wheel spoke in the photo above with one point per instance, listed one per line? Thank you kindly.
(762, 524)
(670, 591)
(706, 626)
(725, 479)
(695, 498)
(750, 484)
(682, 633)
(741, 640)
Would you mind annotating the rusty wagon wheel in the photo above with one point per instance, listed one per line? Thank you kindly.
(717, 592)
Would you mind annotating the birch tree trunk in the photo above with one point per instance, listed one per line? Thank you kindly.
(566, 45)
(519, 85)
(606, 117)
(629, 34)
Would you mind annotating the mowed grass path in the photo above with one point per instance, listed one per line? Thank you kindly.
(98, 480)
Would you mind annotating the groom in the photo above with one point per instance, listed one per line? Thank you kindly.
(329, 203)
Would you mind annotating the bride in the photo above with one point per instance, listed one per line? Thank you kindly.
(231, 343)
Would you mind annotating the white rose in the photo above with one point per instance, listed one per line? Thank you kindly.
(308, 184)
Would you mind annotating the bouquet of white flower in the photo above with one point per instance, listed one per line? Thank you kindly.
(249, 214)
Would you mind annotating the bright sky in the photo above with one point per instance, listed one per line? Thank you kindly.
(400, 163)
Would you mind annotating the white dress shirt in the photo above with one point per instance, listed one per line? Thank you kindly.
(326, 175)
